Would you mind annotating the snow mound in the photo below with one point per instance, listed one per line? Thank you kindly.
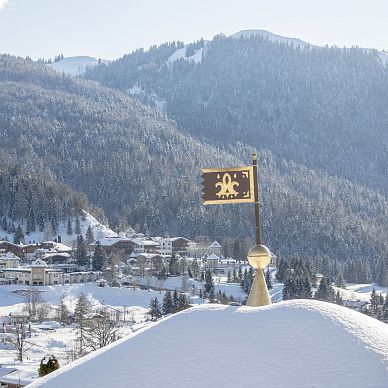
(74, 65)
(300, 343)
(270, 36)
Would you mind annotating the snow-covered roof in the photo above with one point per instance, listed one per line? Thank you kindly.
(38, 263)
(295, 343)
(142, 242)
(215, 244)
(213, 257)
(9, 256)
(20, 376)
(109, 241)
(172, 239)
(53, 254)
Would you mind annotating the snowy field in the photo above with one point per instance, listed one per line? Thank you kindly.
(296, 343)
(51, 338)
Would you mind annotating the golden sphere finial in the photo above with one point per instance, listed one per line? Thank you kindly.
(254, 156)
(259, 256)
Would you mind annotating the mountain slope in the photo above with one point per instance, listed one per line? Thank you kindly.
(132, 161)
(74, 65)
(324, 108)
(286, 344)
(38, 203)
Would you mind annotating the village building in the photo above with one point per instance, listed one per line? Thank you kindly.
(165, 245)
(214, 248)
(145, 246)
(116, 243)
(13, 378)
(40, 274)
(21, 250)
(9, 260)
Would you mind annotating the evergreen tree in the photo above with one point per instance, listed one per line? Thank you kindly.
(209, 284)
(77, 226)
(282, 270)
(182, 302)
(19, 235)
(98, 257)
(325, 291)
(240, 274)
(339, 281)
(268, 279)
(41, 221)
(155, 309)
(385, 310)
(175, 301)
(81, 312)
(374, 303)
(89, 238)
(247, 280)
(211, 295)
(81, 254)
(69, 229)
(167, 306)
(48, 364)
(288, 288)
(234, 275)
(338, 298)
(173, 265)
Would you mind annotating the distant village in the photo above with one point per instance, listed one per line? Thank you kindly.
(128, 255)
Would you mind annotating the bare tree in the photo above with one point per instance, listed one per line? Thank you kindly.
(63, 312)
(101, 332)
(18, 340)
(33, 298)
(42, 311)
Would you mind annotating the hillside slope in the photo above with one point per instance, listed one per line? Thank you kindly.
(294, 344)
(322, 107)
(131, 161)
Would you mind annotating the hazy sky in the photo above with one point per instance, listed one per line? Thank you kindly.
(111, 28)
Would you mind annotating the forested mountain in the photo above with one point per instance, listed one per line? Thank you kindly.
(131, 161)
(33, 200)
(325, 108)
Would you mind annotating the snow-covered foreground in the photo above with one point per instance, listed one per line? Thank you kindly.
(51, 338)
(11, 295)
(300, 343)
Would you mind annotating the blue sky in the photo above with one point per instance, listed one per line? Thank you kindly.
(110, 29)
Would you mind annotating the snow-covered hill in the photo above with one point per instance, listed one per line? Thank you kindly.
(270, 36)
(296, 42)
(99, 231)
(295, 344)
(74, 65)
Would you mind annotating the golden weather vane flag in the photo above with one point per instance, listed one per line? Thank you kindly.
(228, 185)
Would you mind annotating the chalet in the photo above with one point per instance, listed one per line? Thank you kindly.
(145, 246)
(110, 244)
(179, 245)
(21, 250)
